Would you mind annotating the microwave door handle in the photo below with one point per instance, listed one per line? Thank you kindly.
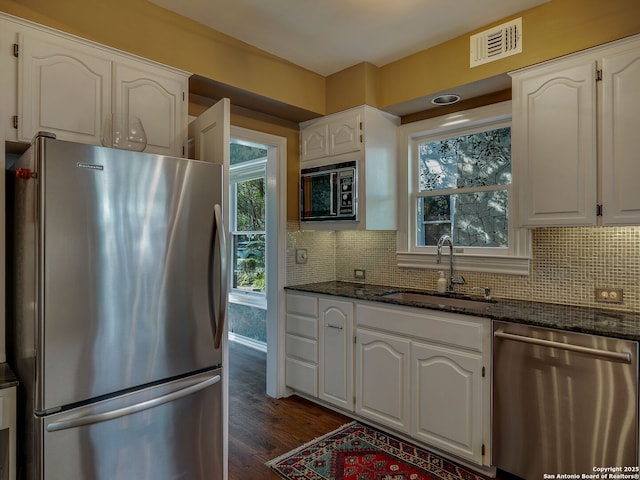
(334, 194)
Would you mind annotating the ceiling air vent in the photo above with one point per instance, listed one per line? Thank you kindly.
(497, 42)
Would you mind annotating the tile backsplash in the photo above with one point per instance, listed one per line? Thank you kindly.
(567, 264)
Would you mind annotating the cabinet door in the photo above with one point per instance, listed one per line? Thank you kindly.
(8, 79)
(333, 135)
(314, 142)
(554, 144)
(620, 127)
(447, 399)
(336, 352)
(64, 88)
(345, 133)
(382, 379)
(158, 99)
(301, 347)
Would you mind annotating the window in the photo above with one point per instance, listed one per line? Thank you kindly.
(459, 183)
(463, 189)
(247, 219)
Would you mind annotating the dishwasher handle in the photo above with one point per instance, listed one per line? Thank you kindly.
(624, 357)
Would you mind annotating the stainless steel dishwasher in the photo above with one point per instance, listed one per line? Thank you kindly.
(563, 402)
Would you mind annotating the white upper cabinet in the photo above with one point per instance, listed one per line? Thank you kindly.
(157, 99)
(554, 144)
(314, 142)
(620, 128)
(332, 135)
(64, 88)
(365, 135)
(68, 86)
(345, 133)
(8, 78)
(574, 121)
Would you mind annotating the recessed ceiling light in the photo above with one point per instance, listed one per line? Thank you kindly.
(446, 99)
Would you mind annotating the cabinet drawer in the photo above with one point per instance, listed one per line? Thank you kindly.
(302, 348)
(303, 326)
(302, 305)
(441, 327)
(301, 376)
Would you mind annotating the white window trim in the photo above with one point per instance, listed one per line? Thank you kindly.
(515, 260)
(242, 172)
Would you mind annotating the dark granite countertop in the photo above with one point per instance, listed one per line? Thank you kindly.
(7, 377)
(564, 317)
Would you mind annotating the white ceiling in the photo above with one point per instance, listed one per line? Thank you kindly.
(326, 36)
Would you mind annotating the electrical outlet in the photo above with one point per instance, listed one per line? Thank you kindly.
(358, 274)
(609, 295)
(301, 255)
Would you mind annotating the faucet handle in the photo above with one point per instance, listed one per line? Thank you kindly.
(486, 290)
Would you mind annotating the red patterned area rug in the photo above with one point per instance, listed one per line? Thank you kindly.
(358, 452)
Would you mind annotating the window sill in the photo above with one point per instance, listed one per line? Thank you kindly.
(248, 299)
(469, 263)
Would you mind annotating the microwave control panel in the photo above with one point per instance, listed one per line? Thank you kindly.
(346, 193)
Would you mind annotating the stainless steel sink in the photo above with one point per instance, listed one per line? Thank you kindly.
(428, 299)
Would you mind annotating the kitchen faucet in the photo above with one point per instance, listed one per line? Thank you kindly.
(452, 281)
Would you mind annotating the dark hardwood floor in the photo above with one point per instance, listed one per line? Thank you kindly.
(261, 427)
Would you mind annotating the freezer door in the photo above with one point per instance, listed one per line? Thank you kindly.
(169, 432)
(129, 275)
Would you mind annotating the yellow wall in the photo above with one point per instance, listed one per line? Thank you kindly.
(261, 123)
(553, 29)
(142, 28)
(242, 117)
(352, 87)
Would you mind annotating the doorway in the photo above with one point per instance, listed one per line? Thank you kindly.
(257, 231)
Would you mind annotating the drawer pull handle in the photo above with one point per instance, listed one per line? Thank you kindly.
(337, 327)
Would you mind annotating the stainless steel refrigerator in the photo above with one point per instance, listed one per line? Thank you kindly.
(117, 303)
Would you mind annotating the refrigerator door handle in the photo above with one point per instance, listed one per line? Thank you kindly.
(138, 407)
(219, 243)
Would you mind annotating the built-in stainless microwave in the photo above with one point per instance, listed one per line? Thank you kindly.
(329, 192)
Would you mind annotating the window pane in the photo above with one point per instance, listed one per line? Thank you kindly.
(436, 208)
(432, 232)
(250, 205)
(248, 268)
(474, 160)
(478, 219)
(481, 219)
(242, 153)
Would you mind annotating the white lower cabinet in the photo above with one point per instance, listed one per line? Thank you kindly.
(336, 353)
(301, 361)
(319, 348)
(426, 373)
(382, 379)
(419, 372)
(446, 394)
